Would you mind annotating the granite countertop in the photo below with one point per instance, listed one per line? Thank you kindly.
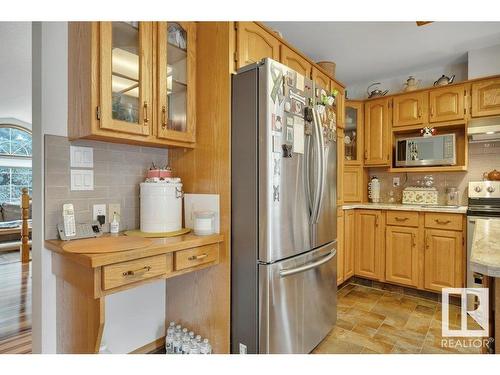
(485, 252)
(407, 207)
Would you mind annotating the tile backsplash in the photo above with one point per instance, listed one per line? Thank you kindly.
(483, 157)
(118, 170)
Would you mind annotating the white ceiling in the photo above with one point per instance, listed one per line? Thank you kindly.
(373, 50)
(15, 70)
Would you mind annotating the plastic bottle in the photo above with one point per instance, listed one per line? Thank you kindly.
(171, 328)
(198, 339)
(195, 348)
(169, 343)
(178, 328)
(205, 347)
(177, 343)
(185, 333)
(114, 226)
(186, 345)
(191, 335)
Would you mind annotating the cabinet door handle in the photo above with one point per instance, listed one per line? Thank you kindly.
(432, 111)
(442, 222)
(366, 155)
(413, 240)
(197, 257)
(164, 117)
(376, 221)
(146, 118)
(420, 112)
(133, 272)
(427, 242)
(401, 218)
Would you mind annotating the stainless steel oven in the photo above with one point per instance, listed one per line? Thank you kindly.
(425, 151)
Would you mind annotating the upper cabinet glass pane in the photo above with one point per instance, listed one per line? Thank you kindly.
(125, 71)
(351, 133)
(177, 77)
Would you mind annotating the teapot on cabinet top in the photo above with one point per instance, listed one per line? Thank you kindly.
(375, 93)
(444, 80)
(411, 84)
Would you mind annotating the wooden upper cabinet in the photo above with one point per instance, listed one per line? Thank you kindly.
(253, 43)
(126, 77)
(447, 103)
(176, 81)
(294, 61)
(353, 145)
(132, 82)
(377, 142)
(349, 243)
(401, 255)
(352, 184)
(320, 79)
(486, 98)
(369, 246)
(339, 104)
(410, 109)
(444, 259)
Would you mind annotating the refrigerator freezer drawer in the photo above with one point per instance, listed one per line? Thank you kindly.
(297, 301)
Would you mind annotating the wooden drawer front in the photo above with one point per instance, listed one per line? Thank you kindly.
(443, 221)
(119, 274)
(195, 256)
(402, 218)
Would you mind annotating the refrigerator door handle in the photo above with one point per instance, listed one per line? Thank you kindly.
(306, 267)
(321, 167)
(317, 183)
(307, 171)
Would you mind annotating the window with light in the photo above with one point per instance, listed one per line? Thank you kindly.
(15, 162)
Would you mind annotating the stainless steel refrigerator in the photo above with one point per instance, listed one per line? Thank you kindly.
(283, 235)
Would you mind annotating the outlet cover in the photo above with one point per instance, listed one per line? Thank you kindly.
(395, 181)
(114, 207)
(98, 209)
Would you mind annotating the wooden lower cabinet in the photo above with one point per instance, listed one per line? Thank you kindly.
(401, 255)
(369, 250)
(340, 247)
(444, 259)
(349, 246)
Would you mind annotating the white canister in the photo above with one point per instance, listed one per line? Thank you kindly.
(374, 190)
(161, 206)
(204, 223)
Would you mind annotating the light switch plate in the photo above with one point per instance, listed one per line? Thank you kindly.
(114, 207)
(82, 179)
(395, 181)
(201, 202)
(81, 157)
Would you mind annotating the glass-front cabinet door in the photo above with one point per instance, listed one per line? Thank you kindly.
(353, 132)
(176, 79)
(126, 66)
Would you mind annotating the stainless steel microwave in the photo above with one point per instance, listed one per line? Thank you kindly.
(424, 151)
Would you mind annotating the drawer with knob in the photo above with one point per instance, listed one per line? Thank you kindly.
(443, 221)
(196, 256)
(402, 218)
(123, 273)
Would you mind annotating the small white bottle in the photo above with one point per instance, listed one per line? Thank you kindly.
(177, 343)
(169, 343)
(171, 328)
(114, 226)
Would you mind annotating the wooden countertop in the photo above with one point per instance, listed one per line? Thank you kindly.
(158, 246)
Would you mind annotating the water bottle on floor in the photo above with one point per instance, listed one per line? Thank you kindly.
(195, 348)
(169, 342)
(205, 347)
(171, 328)
(186, 344)
(177, 343)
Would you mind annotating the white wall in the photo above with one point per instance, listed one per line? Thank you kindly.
(484, 62)
(395, 84)
(133, 318)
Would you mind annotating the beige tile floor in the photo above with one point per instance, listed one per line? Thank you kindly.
(372, 320)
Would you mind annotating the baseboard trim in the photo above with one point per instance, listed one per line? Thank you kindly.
(151, 347)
